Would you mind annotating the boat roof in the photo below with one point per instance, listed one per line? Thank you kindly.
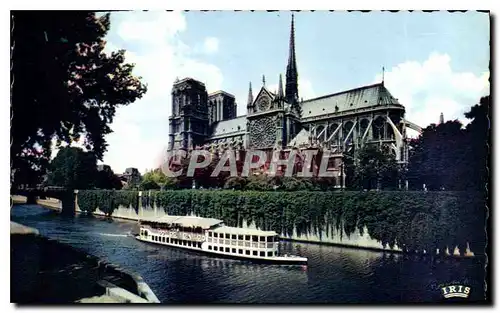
(243, 231)
(185, 221)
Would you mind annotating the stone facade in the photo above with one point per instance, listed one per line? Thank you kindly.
(338, 122)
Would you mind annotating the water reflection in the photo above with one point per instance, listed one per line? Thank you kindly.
(333, 275)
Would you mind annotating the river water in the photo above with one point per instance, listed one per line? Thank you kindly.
(333, 275)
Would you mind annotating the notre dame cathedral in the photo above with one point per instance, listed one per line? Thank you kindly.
(282, 120)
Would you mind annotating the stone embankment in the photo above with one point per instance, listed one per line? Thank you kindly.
(44, 271)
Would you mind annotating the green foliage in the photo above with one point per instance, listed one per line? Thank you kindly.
(236, 183)
(148, 184)
(73, 168)
(449, 156)
(66, 88)
(258, 183)
(156, 179)
(375, 168)
(410, 220)
(107, 179)
(106, 200)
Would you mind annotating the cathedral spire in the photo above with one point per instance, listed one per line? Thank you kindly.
(280, 89)
(250, 95)
(441, 118)
(291, 69)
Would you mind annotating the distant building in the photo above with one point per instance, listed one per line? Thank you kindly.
(278, 120)
(131, 176)
(103, 167)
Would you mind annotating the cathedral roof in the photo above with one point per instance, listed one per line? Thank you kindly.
(237, 124)
(359, 98)
(218, 92)
(302, 138)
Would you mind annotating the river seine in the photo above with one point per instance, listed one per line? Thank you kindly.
(334, 274)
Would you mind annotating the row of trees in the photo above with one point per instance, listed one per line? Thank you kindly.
(74, 168)
(450, 156)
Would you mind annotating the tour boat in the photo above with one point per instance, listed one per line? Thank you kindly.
(211, 236)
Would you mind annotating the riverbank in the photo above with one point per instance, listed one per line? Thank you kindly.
(335, 274)
(45, 271)
(356, 240)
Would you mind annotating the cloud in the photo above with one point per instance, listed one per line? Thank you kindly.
(152, 41)
(429, 88)
(211, 45)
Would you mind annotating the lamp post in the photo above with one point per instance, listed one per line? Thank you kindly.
(342, 174)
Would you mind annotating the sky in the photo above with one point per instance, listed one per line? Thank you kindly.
(434, 62)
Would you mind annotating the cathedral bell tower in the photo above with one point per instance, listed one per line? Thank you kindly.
(189, 120)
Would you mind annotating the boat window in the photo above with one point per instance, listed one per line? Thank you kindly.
(233, 250)
(228, 236)
(227, 250)
(240, 237)
(215, 248)
(247, 252)
(270, 253)
(255, 238)
(270, 239)
(210, 234)
(254, 252)
(233, 236)
(209, 247)
(199, 245)
(247, 237)
(262, 238)
(262, 253)
(168, 240)
(163, 239)
(240, 251)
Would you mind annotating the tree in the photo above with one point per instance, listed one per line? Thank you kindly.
(236, 183)
(375, 168)
(63, 86)
(442, 158)
(73, 168)
(258, 182)
(107, 179)
(156, 179)
(149, 184)
(478, 144)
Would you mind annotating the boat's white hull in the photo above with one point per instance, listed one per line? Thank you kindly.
(261, 259)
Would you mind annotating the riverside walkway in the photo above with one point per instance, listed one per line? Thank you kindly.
(44, 271)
